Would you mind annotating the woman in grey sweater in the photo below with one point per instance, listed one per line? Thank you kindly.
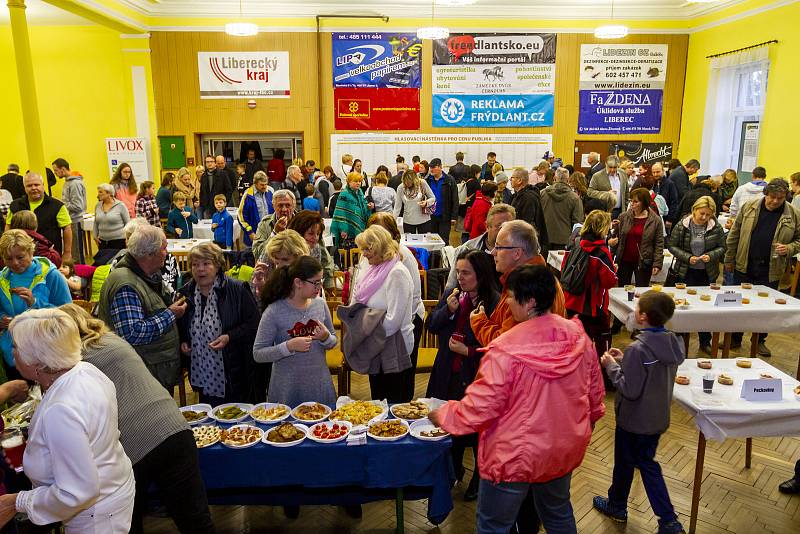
(110, 218)
(295, 332)
(414, 195)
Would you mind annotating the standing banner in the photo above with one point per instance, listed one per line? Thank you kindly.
(130, 150)
(391, 60)
(622, 88)
(494, 80)
(243, 74)
(376, 109)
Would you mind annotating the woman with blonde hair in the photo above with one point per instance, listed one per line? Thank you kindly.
(380, 195)
(125, 188)
(351, 213)
(730, 182)
(414, 199)
(385, 285)
(80, 473)
(188, 185)
(697, 242)
(282, 249)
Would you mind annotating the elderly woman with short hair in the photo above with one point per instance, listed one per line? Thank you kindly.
(351, 213)
(386, 285)
(30, 282)
(78, 468)
(152, 430)
(309, 224)
(110, 217)
(218, 329)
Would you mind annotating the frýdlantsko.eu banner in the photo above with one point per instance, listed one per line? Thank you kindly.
(369, 60)
(494, 80)
(243, 74)
(622, 88)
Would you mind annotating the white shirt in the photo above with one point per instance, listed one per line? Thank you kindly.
(614, 181)
(394, 296)
(73, 456)
(410, 263)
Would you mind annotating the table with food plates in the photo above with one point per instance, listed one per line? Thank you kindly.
(762, 309)
(328, 238)
(555, 257)
(312, 455)
(200, 230)
(723, 414)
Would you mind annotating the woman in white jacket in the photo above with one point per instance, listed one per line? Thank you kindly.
(79, 471)
(414, 195)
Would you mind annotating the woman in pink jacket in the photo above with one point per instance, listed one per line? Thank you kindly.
(538, 394)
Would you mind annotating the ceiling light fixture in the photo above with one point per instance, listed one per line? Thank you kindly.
(455, 3)
(432, 31)
(241, 29)
(611, 31)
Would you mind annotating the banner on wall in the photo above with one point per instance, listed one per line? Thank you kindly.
(643, 153)
(494, 80)
(392, 60)
(130, 150)
(243, 74)
(376, 109)
(621, 111)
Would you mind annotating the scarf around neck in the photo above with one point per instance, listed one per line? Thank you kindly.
(373, 279)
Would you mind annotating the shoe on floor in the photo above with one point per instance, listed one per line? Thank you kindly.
(791, 486)
(673, 527)
(602, 505)
(705, 349)
(354, 510)
(763, 350)
(471, 494)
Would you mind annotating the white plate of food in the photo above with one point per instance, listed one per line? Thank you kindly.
(427, 431)
(311, 412)
(196, 413)
(411, 411)
(389, 430)
(358, 412)
(206, 435)
(241, 436)
(285, 435)
(270, 413)
(233, 412)
(330, 431)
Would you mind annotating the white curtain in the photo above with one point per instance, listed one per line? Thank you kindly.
(729, 101)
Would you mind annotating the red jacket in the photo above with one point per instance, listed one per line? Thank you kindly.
(45, 248)
(600, 277)
(475, 221)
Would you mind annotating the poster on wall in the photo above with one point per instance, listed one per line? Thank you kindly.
(494, 80)
(369, 60)
(376, 109)
(130, 150)
(243, 74)
(621, 88)
(643, 153)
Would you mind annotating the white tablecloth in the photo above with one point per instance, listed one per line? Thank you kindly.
(761, 315)
(201, 230)
(723, 414)
(327, 238)
(181, 247)
(555, 257)
(430, 242)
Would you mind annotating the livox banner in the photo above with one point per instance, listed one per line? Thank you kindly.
(130, 150)
(243, 74)
(365, 60)
(376, 109)
(620, 111)
(495, 48)
(492, 111)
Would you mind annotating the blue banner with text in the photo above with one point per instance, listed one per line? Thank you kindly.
(619, 111)
(495, 111)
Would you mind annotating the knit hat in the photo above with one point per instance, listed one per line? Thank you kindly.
(500, 177)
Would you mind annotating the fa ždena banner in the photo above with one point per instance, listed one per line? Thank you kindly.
(377, 60)
(243, 74)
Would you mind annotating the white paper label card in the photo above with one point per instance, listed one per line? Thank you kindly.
(762, 389)
(728, 299)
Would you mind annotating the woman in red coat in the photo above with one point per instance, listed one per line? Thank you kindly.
(475, 220)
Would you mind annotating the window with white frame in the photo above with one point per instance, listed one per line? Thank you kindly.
(737, 92)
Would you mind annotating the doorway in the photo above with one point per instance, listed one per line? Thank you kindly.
(582, 149)
(235, 146)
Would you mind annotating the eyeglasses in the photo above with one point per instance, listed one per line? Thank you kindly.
(501, 247)
(316, 283)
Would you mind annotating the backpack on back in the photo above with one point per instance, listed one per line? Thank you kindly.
(573, 274)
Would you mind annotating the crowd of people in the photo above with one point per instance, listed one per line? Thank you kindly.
(524, 358)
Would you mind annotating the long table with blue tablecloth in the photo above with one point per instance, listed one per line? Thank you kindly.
(332, 473)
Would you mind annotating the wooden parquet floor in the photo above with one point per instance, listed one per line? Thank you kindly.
(733, 500)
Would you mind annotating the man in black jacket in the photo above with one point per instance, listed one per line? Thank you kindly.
(229, 173)
(680, 176)
(397, 179)
(459, 171)
(446, 193)
(212, 183)
(528, 205)
(12, 182)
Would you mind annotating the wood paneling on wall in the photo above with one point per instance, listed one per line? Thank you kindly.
(181, 112)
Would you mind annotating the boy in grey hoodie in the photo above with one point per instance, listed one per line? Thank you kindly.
(644, 381)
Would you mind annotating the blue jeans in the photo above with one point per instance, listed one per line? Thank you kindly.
(498, 505)
(638, 451)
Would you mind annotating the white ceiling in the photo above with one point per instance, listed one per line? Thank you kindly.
(40, 13)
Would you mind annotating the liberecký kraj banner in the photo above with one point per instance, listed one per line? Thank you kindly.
(243, 74)
(377, 60)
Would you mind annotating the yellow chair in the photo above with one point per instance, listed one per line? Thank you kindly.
(428, 343)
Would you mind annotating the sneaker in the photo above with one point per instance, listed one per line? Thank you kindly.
(705, 349)
(602, 505)
(673, 527)
(763, 350)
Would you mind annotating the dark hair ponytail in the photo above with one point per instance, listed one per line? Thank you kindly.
(279, 283)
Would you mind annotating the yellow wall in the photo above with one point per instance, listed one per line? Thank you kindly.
(778, 130)
(83, 84)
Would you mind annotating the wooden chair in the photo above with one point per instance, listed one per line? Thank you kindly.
(423, 278)
(428, 343)
(335, 357)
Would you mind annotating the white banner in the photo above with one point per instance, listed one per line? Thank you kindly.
(512, 79)
(130, 150)
(243, 74)
(642, 66)
(513, 150)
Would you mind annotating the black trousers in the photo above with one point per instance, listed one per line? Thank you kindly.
(756, 275)
(390, 386)
(629, 270)
(174, 469)
(441, 226)
(423, 228)
(113, 244)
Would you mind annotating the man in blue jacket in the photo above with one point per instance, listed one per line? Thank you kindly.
(255, 205)
(446, 193)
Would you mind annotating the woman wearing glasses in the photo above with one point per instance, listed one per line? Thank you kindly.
(218, 329)
(295, 332)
